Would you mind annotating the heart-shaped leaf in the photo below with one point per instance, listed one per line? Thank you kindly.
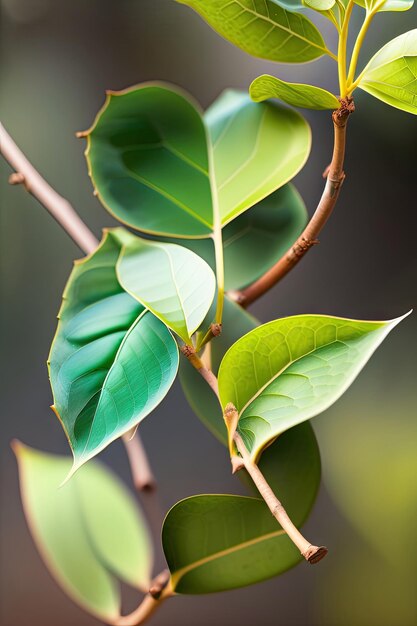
(111, 362)
(220, 542)
(391, 75)
(263, 29)
(295, 94)
(256, 239)
(289, 370)
(389, 5)
(169, 280)
(158, 166)
(90, 533)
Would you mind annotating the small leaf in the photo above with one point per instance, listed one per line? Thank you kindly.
(111, 362)
(389, 5)
(391, 75)
(169, 280)
(257, 148)
(220, 542)
(295, 94)
(256, 239)
(263, 29)
(90, 533)
(291, 369)
(319, 5)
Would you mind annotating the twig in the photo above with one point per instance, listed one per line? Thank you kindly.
(334, 180)
(312, 554)
(68, 218)
(158, 592)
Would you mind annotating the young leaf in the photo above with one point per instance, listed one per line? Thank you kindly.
(389, 5)
(169, 280)
(256, 239)
(263, 29)
(289, 370)
(296, 94)
(155, 167)
(319, 5)
(111, 362)
(215, 543)
(391, 75)
(90, 533)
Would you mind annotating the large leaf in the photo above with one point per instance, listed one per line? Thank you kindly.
(169, 280)
(219, 542)
(389, 5)
(391, 75)
(263, 28)
(156, 167)
(90, 532)
(111, 361)
(289, 370)
(296, 94)
(256, 239)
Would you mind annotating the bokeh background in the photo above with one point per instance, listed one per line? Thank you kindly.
(57, 58)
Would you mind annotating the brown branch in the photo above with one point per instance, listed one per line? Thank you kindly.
(190, 353)
(64, 213)
(158, 592)
(334, 180)
(141, 471)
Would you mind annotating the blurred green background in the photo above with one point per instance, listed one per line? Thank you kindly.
(57, 58)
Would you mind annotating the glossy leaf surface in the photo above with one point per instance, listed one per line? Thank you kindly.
(169, 280)
(158, 166)
(389, 5)
(295, 94)
(90, 533)
(256, 239)
(111, 362)
(219, 542)
(391, 75)
(289, 370)
(263, 29)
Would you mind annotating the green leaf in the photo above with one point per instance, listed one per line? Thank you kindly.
(169, 280)
(111, 362)
(90, 533)
(220, 542)
(256, 239)
(295, 94)
(257, 148)
(263, 29)
(391, 75)
(149, 153)
(291, 369)
(236, 322)
(319, 5)
(389, 5)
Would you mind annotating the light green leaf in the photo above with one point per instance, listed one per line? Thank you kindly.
(90, 533)
(169, 280)
(263, 29)
(291, 369)
(257, 148)
(388, 5)
(156, 167)
(391, 75)
(296, 94)
(256, 239)
(111, 362)
(319, 5)
(220, 542)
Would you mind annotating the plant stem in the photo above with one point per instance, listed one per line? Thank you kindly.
(358, 45)
(190, 353)
(334, 180)
(65, 214)
(342, 49)
(142, 475)
(158, 592)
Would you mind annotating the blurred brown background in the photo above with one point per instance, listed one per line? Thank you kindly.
(57, 58)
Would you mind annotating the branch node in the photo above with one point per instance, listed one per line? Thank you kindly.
(342, 114)
(190, 353)
(301, 246)
(158, 584)
(216, 329)
(237, 463)
(314, 554)
(17, 178)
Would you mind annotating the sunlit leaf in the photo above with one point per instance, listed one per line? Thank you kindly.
(111, 362)
(171, 281)
(389, 5)
(391, 75)
(90, 533)
(320, 5)
(214, 543)
(158, 166)
(296, 94)
(289, 370)
(263, 28)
